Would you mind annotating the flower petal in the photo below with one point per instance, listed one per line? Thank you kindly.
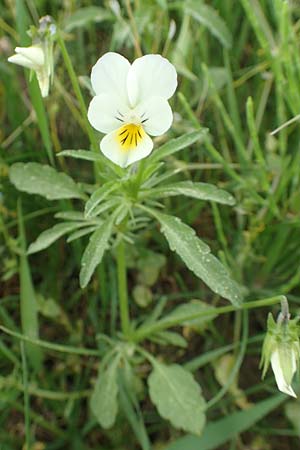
(156, 115)
(109, 75)
(150, 76)
(106, 112)
(44, 82)
(34, 53)
(111, 148)
(21, 61)
(279, 376)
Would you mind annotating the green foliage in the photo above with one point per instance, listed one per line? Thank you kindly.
(175, 145)
(193, 307)
(221, 431)
(94, 251)
(40, 179)
(177, 397)
(196, 255)
(47, 237)
(104, 403)
(83, 17)
(28, 302)
(207, 16)
(200, 191)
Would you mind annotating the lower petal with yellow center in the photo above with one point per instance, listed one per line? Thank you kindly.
(127, 144)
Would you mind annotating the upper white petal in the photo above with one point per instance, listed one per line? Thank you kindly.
(113, 151)
(156, 114)
(34, 54)
(149, 76)
(103, 112)
(22, 61)
(109, 75)
(282, 384)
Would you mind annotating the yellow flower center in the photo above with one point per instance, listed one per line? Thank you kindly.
(129, 136)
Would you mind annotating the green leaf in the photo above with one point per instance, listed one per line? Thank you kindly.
(104, 401)
(169, 338)
(200, 191)
(80, 233)
(41, 179)
(95, 250)
(87, 155)
(177, 397)
(28, 301)
(208, 17)
(98, 196)
(47, 237)
(174, 145)
(84, 16)
(219, 432)
(195, 254)
(190, 308)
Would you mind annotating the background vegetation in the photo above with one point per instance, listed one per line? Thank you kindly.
(239, 70)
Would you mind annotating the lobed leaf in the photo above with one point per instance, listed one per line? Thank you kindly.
(177, 397)
(41, 179)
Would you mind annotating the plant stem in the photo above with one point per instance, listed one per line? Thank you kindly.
(168, 322)
(78, 93)
(26, 398)
(122, 288)
(49, 345)
(135, 32)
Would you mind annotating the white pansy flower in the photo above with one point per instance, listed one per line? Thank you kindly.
(39, 56)
(34, 58)
(281, 348)
(131, 103)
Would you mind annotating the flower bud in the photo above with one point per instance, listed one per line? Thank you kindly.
(281, 348)
(39, 56)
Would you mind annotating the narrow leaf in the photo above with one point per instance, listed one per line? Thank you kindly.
(84, 16)
(177, 397)
(104, 402)
(200, 191)
(219, 432)
(82, 232)
(169, 338)
(195, 254)
(98, 196)
(94, 251)
(36, 178)
(28, 303)
(86, 155)
(208, 17)
(47, 237)
(174, 145)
